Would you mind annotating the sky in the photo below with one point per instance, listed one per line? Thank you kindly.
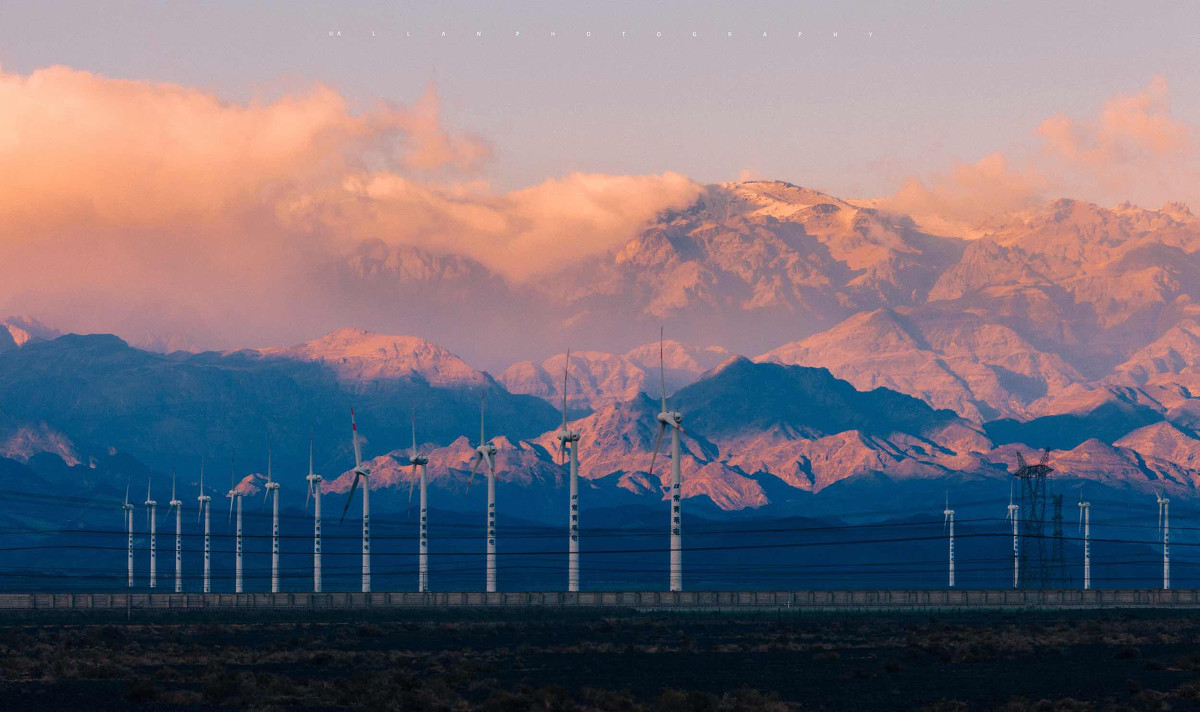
(168, 167)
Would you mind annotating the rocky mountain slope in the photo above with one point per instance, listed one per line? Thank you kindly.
(596, 378)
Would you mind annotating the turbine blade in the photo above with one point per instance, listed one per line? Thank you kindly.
(308, 495)
(310, 452)
(350, 498)
(354, 439)
(491, 465)
(566, 367)
(413, 452)
(657, 444)
(411, 485)
(126, 490)
(172, 485)
(662, 373)
(474, 466)
(482, 400)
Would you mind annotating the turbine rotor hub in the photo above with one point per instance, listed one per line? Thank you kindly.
(671, 417)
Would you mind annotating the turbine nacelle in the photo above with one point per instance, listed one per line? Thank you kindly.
(361, 471)
(234, 493)
(150, 503)
(271, 486)
(175, 503)
(673, 418)
(418, 460)
(204, 498)
(486, 449)
(567, 436)
(313, 478)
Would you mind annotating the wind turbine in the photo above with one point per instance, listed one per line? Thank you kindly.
(949, 523)
(1164, 527)
(674, 420)
(272, 488)
(1085, 523)
(419, 459)
(151, 516)
(1013, 516)
(235, 495)
(486, 452)
(205, 509)
(127, 513)
(314, 491)
(176, 506)
(364, 473)
(567, 441)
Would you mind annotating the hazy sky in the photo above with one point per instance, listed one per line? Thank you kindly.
(212, 174)
(938, 82)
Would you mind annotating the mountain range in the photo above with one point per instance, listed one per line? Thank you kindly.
(815, 342)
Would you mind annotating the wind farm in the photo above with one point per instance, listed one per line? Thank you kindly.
(533, 559)
(781, 278)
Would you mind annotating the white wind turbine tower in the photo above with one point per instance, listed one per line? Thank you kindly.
(421, 460)
(272, 488)
(314, 491)
(1013, 516)
(949, 522)
(364, 473)
(205, 510)
(568, 443)
(674, 420)
(1085, 523)
(176, 506)
(235, 495)
(1164, 527)
(486, 452)
(127, 513)
(151, 516)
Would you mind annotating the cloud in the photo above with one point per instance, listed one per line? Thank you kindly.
(1133, 142)
(970, 191)
(160, 211)
(1132, 150)
(520, 234)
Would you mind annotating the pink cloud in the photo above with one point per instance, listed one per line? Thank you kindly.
(970, 191)
(1134, 149)
(1134, 144)
(156, 210)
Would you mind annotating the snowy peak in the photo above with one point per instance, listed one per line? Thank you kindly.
(361, 356)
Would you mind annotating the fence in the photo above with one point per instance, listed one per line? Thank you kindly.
(866, 600)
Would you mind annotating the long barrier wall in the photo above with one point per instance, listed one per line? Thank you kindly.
(644, 600)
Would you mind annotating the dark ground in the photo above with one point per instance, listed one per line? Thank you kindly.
(581, 660)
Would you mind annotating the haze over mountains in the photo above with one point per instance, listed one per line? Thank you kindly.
(812, 341)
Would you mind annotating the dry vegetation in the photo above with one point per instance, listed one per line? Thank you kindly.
(592, 661)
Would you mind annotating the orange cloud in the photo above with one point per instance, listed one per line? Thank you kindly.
(1133, 142)
(970, 191)
(1133, 150)
(520, 234)
(152, 209)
